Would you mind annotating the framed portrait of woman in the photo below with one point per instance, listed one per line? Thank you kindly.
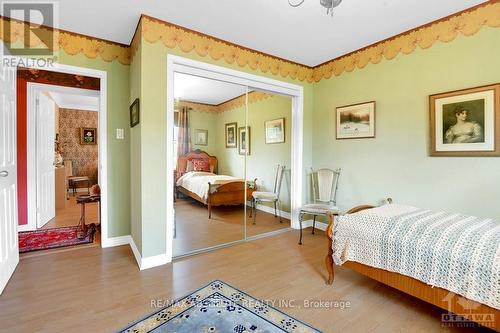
(244, 139)
(466, 122)
(231, 130)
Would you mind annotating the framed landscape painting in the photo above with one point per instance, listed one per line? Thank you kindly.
(275, 130)
(355, 121)
(244, 137)
(465, 122)
(231, 135)
(200, 137)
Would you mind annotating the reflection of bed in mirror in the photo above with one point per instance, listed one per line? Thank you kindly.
(196, 176)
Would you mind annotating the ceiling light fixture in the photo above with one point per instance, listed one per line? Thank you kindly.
(328, 4)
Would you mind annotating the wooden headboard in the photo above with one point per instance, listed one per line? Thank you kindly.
(194, 155)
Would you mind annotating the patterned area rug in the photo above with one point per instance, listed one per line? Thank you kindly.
(53, 238)
(218, 308)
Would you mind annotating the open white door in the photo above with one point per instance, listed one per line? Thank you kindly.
(45, 136)
(9, 247)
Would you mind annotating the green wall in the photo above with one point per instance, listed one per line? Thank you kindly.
(153, 140)
(135, 151)
(262, 162)
(206, 121)
(118, 151)
(397, 163)
(263, 159)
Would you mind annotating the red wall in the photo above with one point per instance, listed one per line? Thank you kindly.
(22, 153)
(39, 76)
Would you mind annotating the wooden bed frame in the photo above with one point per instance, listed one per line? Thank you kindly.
(454, 304)
(228, 194)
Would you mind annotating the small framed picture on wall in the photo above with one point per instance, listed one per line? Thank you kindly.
(244, 139)
(355, 121)
(275, 130)
(201, 137)
(466, 122)
(231, 135)
(88, 136)
(135, 113)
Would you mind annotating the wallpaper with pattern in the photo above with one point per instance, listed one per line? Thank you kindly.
(84, 157)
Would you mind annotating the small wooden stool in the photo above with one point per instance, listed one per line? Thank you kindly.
(82, 200)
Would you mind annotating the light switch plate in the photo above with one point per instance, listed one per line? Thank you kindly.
(119, 133)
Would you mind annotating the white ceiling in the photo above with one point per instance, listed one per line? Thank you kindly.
(304, 34)
(87, 100)
(201, 90)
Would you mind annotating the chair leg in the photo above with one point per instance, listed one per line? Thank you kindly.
(300, 222)
(251, 207)
(275, 209)
(254, 211)
(279, 211)
(314, 223)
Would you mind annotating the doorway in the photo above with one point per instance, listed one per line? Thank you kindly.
(243, 161)
(60, 154)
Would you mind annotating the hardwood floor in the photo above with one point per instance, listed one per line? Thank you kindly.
(101, 290)
(70, 215)
(195, 231)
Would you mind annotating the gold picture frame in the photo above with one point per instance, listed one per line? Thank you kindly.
(355, 121)
(245, 140)
(465, 122)
(231, 135)
(88, 135)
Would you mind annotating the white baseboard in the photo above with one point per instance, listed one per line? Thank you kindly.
(270, 210)
(319, 225)
(24, 227)
(148, 262)
(136, 252)
(116, 241)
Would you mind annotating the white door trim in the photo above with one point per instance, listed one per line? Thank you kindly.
(102, 133)
(193, 67)
(33, 89)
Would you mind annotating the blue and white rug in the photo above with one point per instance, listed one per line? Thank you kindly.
(219, 308)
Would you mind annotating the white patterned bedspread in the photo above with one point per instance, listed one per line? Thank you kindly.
(455, 252)
(197, 182)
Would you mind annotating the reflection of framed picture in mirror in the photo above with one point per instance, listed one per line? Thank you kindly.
(200, 137)
(275, 130)
(355, 121)
(466, 122)
(231, 138)
(244, 137)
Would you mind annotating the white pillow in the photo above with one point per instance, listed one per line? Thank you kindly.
(189, 166)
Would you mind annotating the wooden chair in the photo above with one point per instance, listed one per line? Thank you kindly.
(324, 185)
(274, 197)
(72, 180)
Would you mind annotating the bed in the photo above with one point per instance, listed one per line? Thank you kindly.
(449, 260)
(196, 176)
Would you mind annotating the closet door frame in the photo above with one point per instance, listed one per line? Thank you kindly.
(177, 64)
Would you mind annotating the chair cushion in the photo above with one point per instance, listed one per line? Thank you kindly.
(265, 196)
(319, 209)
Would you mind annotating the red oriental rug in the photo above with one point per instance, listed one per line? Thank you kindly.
(53, 238)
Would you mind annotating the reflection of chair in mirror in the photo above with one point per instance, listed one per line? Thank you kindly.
(274, 197)
(324, 187)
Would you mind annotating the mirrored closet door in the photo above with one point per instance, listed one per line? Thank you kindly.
(210, 187)
(268, 161)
